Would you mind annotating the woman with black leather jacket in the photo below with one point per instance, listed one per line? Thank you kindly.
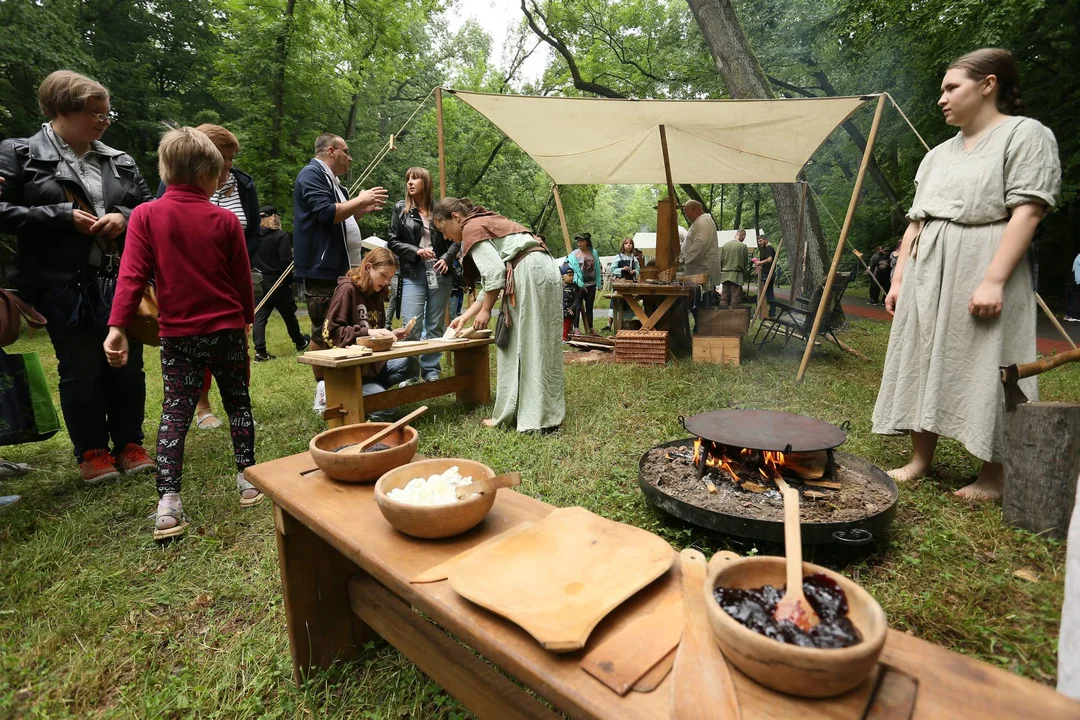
(425, 257)
(67, 197)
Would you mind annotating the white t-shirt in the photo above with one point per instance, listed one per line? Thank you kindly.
(352, 229)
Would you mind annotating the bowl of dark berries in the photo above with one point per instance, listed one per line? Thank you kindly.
(335, 451)
(827, 659)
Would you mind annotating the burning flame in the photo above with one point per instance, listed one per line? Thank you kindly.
(769, 464)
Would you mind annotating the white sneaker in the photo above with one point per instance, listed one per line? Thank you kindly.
(320, 398)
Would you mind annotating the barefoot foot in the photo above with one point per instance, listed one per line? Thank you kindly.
(909, 472)
(489, 423)
(987, 487)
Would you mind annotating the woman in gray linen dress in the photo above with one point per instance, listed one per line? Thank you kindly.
(529, 389)
(962, 290)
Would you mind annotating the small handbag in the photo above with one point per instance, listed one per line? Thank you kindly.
(144, 326)
(502, 326)
(27, 413)
(12, 312)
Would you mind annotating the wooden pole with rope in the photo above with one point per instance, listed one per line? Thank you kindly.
(562, 218)
(826, 296)
(442, 142)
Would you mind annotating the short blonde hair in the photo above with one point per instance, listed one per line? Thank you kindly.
(186, 156)
(65, 92)
(222, 138)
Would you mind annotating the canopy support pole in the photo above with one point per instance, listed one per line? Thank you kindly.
(675, 206)
(562, 218)
(827, 293)
(442, 142)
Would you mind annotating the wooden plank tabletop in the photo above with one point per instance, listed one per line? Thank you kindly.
(346, 516)
(428, 346)
(630, 288)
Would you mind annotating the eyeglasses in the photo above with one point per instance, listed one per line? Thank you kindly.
(108, 117)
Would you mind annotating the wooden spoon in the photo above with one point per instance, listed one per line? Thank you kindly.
(492, 483)
(793, 607)
(359, 447)
(702, 688)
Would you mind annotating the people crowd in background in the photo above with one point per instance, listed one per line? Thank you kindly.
(701, 255)
(880, 270)
(624, 266)
(272, 257)
(734, 270)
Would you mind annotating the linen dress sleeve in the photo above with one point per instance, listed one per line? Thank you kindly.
(917, 211)
(1032, 166)
(490, 264)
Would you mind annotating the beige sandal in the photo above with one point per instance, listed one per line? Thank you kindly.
(243, 486)
(207, 420)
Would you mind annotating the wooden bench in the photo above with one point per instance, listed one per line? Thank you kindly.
(345, 577)
(345, 401)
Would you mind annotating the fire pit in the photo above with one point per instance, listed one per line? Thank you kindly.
(723, 478)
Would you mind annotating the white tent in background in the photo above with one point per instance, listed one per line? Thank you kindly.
(646, 241)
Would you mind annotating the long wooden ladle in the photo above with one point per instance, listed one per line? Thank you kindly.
(492, 483)
(793, 607)
(368, 442)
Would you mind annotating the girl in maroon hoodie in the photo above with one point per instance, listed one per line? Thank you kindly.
(196, 255)
(358, 310)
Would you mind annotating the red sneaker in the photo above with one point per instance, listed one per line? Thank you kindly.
(98, 466)
(133, 459)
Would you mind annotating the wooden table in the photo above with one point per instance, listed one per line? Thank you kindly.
(345, 576)
(345, 401)
(667, 307)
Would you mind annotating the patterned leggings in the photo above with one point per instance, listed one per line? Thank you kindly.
(183, 361)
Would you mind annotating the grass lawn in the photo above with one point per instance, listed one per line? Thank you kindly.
(98, 621)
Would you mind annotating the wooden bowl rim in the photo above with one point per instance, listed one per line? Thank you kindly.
(868, 646)
(313, 448)
(466, 503)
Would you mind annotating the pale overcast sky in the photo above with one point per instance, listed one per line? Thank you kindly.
(497, 17)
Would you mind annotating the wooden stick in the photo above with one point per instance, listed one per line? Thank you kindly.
(562, 218)
(671, 194)
(442, 143)
(1054, 320)
(274, 287)
(825, 296)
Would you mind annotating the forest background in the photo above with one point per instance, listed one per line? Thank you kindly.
(279, 72)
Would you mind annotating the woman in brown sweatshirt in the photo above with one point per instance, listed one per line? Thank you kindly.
(358, 310)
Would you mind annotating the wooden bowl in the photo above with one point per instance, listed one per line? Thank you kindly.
(433, 521)
(363, 467)
(806, 672)
(376, 344)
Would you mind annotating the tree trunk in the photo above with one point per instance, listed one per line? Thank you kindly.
(281, 53)
(1042, 455)
(744, 78)
(737, 222)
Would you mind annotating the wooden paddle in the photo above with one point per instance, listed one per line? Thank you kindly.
(793, 607)
(702, 688)
(359, 447)
(492, 483)
(442, 570)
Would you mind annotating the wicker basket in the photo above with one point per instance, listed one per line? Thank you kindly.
(697, 279)
(668, 274)
(649, 347)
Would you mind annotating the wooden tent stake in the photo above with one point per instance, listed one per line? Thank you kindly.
(562, 218)
(442, 142)
(825, 296)
(675, 206)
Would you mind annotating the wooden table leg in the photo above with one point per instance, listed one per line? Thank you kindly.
(635, 306)
(314, 580)
(474, 363)
(659, 312)
(345, 387)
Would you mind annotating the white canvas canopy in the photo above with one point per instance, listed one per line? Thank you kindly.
(600, 141)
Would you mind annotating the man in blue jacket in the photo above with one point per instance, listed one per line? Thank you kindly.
(324, 220)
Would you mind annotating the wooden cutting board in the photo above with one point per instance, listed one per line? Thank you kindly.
(562, 576)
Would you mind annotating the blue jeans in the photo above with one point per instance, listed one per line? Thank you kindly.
(394, 372)
(429, 307)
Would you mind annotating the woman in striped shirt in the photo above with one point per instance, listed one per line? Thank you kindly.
(236, 192)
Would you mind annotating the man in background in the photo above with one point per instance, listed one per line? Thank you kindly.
(700, 253)
(734, 261)
(763, 262)
(324, 221)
